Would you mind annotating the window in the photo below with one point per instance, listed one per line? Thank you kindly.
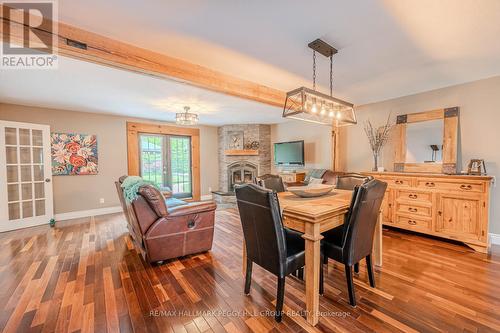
(166, 161)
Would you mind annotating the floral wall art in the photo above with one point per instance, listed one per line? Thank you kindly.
(73, 154)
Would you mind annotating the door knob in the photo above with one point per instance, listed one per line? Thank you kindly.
(47, 180)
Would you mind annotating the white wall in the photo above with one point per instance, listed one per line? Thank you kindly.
(317, 142)
(479, 132)
(78, 193)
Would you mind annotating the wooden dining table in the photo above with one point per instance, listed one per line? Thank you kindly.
(312, 216)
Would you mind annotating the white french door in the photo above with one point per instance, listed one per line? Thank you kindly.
(25, 175)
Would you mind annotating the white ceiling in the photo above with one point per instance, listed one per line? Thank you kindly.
(386, 48)
(82, 86)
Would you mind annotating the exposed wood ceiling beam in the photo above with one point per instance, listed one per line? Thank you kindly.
(106, 51)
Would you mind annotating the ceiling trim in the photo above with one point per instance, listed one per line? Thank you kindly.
(110, 52)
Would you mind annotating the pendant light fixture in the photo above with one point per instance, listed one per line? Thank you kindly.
(186, 118)
(313, 106)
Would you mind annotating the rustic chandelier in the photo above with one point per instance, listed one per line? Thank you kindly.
(186, 118)
(311, 105)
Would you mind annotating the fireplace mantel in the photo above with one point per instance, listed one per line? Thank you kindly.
(241, 152)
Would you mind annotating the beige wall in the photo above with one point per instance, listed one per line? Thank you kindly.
(317, 142)
(479, 104)
(74, 193)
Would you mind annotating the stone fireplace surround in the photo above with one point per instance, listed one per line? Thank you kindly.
(243, 168)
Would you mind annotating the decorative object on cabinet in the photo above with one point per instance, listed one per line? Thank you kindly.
(292, 177)
(312, 106)
(435, 149)
(447, 119)
(476, 167)
(73, 154)
(377, 137)
(449, 206)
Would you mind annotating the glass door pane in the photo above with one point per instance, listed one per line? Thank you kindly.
(152, 162)
(26, 178)
(166, 161)
(19, 152)
(180, 166)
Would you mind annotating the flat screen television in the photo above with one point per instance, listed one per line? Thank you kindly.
(289, 153)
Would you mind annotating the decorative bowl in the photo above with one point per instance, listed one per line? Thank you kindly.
(311, 191)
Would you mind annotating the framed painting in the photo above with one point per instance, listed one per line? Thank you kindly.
(74, 154)
(235, 140)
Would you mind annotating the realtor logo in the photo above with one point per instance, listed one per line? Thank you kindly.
(29, 35)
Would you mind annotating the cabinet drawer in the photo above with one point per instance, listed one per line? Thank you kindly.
(397, 181)
(465, 186)
(414, 210)
(409, 195)
(417, 223)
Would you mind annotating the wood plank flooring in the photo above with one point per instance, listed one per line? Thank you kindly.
(85, 275)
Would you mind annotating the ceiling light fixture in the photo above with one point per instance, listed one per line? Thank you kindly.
(303, 103)
(186, 118)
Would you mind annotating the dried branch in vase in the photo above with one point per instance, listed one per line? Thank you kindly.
(377, 137)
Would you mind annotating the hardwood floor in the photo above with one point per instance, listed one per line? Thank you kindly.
(84, 275)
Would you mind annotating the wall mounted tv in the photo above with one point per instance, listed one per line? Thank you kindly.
(289, 153)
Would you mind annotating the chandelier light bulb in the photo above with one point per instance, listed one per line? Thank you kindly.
(323, 109)
(314, 108)
(330, 114)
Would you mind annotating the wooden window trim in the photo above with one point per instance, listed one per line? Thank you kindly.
(133, 131)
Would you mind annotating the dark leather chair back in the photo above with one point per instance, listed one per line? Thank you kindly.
(271, 182)
(361, 221)
(349, 181)
(128, 210)
(262, 228)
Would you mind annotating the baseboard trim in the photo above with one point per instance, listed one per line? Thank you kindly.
(86, 213)
(495, 239)
(206, 197)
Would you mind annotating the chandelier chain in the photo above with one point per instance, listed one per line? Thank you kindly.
(314, 70)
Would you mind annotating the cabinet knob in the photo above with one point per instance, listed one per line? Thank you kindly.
(412, 196)
(430, 184)
(413, 210)
(411, 222)
(440, 213)
(466, 187)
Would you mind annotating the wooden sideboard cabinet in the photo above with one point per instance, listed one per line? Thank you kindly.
(292, 177)
(449, 206)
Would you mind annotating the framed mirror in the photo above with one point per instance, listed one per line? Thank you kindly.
(427, 141)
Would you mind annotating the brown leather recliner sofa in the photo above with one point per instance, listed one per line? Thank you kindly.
(162, 233)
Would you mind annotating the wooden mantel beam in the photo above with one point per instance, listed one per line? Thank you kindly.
(110, 52)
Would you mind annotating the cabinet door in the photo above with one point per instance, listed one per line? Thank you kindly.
(460, 216)
(387, 207)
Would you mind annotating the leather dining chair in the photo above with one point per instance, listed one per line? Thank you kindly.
(278, 250)
(353, 241)
(350, 180)
(271, 182)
